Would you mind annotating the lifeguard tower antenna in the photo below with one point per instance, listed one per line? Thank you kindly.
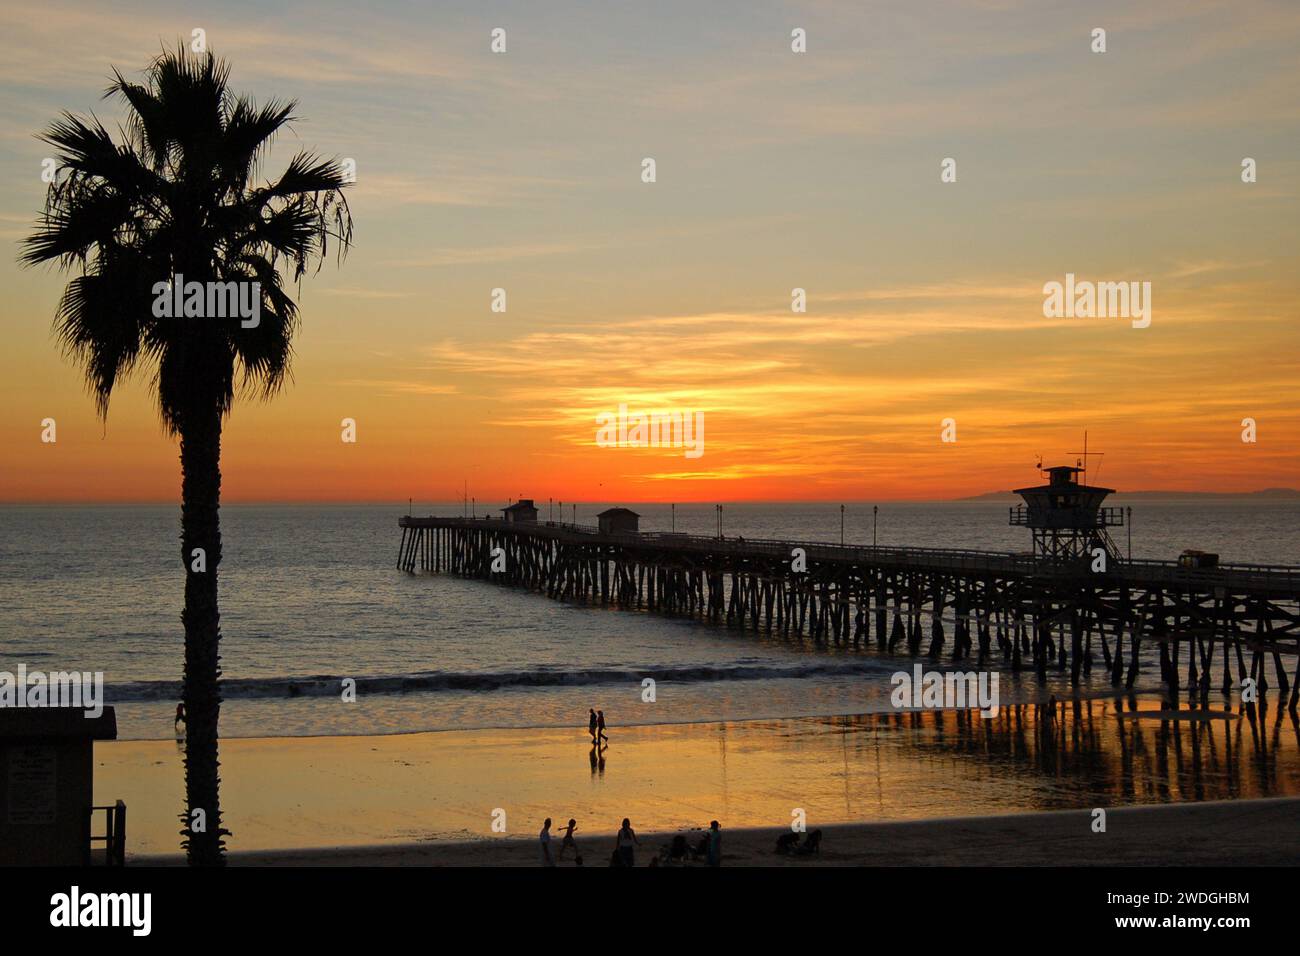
(1084, 455)
(1066, 517)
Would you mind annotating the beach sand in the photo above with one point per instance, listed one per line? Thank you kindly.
(1221, 833)
(437, 795)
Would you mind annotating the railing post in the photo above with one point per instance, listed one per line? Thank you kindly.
(88, 838)
(119, 833)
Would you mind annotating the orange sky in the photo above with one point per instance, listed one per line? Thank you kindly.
(775, 171)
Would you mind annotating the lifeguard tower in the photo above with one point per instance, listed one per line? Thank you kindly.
(47, 773)
(1066, 518)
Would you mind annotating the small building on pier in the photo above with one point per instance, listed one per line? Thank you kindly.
(521, 512)
(1066, 518)
(619, 521)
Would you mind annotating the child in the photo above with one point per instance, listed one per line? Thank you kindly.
(568, 840)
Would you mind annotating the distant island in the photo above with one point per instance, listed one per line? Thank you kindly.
(1268, 493)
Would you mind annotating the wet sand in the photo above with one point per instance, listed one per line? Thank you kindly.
(417, 790)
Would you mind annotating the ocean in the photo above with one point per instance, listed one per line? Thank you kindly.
(310, 596)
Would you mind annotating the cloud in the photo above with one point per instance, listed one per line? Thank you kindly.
(355, 293)
(454, 256)
(401, 386)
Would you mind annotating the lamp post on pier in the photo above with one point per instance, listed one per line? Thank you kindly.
(875, 510)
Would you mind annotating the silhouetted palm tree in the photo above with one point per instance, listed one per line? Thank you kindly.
(178, 196)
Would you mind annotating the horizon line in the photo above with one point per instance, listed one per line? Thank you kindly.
(169, 502)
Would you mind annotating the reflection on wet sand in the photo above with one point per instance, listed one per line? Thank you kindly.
(1112, 751)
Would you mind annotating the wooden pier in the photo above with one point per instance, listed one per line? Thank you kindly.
(1032, 612)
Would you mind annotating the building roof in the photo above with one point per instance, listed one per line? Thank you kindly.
(1062, 477)
(1056, 489)
(49, 722)
(523, 504)
(617, 511)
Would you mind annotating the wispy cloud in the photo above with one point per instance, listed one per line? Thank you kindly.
(355, 293)
(400, 387)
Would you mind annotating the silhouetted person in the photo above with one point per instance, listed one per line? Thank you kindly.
(180, 715)
(568, 841)
(627, 842)
(600, 726)
(545, 839)
(714, 854)
(591, 726)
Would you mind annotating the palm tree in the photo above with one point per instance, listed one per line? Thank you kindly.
(178, 196)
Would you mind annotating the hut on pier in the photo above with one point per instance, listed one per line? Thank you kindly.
(521, 512)
(619, 521)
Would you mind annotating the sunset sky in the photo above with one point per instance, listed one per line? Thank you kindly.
(775, 170)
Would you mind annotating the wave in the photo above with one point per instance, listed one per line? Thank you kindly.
(330, 685)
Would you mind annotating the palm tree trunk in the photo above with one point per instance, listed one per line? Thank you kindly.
(200, 530)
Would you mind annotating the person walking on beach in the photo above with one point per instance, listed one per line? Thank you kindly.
(714, 855)
(545, 839)
(568, 840)
(600, 726)
(180, 715)
(591, 726)
(627, 842)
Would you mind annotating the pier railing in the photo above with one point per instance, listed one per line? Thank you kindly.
(1021, 516)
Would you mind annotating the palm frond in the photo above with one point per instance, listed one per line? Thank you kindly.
(97, 322)
(173, 195)
(249, 132)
